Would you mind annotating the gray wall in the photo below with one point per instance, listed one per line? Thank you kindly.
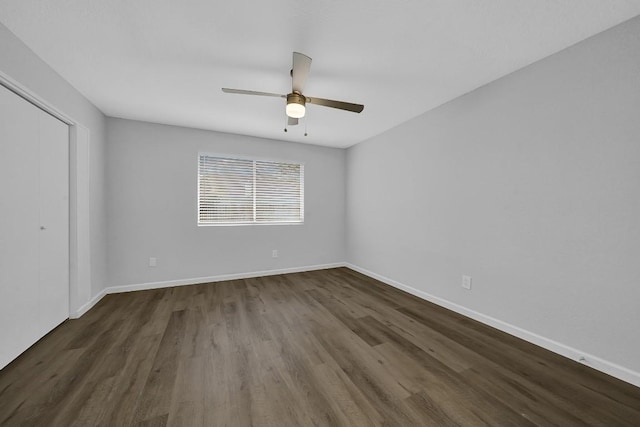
(531, 186)
(22, 65)
(151, 204)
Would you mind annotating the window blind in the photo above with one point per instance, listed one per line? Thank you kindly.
(240, 191)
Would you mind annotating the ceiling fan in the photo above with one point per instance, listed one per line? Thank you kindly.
(296, 100)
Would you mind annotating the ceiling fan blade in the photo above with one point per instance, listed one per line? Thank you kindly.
(356, 108)
(252, 92)
(300, 71)
(292, 121)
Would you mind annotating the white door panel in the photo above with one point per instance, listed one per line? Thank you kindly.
(54, 222)
(19, 233)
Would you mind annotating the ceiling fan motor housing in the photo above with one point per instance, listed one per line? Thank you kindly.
(296, 105)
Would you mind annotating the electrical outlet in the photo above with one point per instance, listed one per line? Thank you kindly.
(153, 261)
(274, 253)
(466, 282)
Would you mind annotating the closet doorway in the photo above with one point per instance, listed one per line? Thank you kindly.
(34, 224)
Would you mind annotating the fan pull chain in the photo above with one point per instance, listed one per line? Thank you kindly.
(305, 126)
(286, 122)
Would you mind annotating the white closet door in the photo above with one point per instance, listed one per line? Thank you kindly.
(19, 231)
(28, 180)
(54, 222)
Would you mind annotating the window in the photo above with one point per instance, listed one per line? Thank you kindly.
(242, 191)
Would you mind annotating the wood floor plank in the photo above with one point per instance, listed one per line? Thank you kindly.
(538, 407)
(156, 396)
(187, 400)
(120, 407)
(323, 348)
(350, 406)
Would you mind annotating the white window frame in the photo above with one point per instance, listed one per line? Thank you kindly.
(254, 222)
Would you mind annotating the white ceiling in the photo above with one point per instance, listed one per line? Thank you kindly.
(165, 61)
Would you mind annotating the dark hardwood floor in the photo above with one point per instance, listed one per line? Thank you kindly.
(329, 347)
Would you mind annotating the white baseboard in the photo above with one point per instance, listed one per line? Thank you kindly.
(219, 278)
(194, 281)
(590, 360)
(88, 305)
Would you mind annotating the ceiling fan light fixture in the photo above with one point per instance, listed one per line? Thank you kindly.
(295, 105)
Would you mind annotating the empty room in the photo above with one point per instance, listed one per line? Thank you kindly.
(296, 213)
